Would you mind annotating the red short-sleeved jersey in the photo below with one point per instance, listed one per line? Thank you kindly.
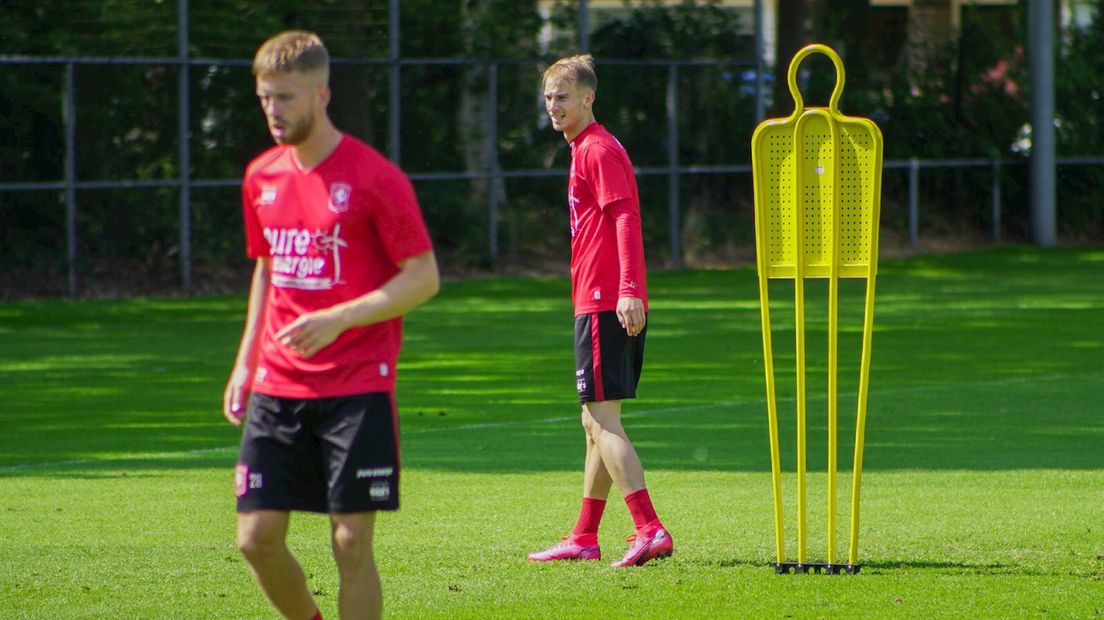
(333, 233)
(606, 263)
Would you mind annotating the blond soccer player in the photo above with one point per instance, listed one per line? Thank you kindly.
(341, 252)
(609, 291)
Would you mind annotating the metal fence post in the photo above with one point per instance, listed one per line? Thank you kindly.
(493, 173)
(184, 153)
(394, 108)
(672, 163)
(996, 191)
(760, 67)
(69, 117)
(914, 202)
(583, 26)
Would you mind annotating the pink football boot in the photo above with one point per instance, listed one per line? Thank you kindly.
(567, 549)
(644, 548)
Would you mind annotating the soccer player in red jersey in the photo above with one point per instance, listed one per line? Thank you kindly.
(342, 252)
(609, 291)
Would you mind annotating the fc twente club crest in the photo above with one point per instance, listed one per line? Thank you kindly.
(340, 193)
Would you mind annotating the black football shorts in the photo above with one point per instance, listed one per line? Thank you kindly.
(331, 455)
(608, 361)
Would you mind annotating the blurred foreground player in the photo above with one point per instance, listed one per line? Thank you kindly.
(609, 291)
(342, 253)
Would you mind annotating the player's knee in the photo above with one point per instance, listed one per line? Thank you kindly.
(590, 426)
(601, 417)
(256, 544)
(352, 549)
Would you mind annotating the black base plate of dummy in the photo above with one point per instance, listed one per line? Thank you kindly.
(787, 568)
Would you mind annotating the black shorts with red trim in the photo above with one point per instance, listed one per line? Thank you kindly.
(608, 361)
(330, 455)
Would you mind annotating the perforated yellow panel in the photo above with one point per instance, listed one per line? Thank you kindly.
(778, 191)
(813, 167)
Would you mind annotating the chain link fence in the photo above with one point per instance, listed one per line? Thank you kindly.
(82, 239)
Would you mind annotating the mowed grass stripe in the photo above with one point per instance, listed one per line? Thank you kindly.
(629, 413)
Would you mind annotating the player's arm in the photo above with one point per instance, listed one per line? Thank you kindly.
(237, 388)
(415, 283)
(630, 255)
(611, 183)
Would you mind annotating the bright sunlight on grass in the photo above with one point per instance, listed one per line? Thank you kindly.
(983, 488)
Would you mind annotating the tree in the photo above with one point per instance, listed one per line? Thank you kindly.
(490, 29)
(848, 31)
(929, 31)
(792, 35)
(1079, 81)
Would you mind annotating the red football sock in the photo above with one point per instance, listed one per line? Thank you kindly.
(317, 615)
(590, 515)
(640, 507)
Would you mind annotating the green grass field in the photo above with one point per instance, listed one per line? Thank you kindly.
(983, 493)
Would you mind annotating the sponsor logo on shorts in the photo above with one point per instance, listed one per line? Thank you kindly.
(375, 472)
(580, 380)
(241, 474)
(380, 490)
(244, 480)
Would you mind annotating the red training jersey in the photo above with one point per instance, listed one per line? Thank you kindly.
(607, 245)
(333, 233)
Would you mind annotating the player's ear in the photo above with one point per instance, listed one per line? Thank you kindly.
(324, 94)
(588, 98)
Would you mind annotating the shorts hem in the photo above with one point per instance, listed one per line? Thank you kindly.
(344, 510)
(299, 508)
(589, 398)
(321, 511)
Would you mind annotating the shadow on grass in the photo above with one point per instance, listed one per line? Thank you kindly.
(950, 568)
(986, 361)
(126, 466)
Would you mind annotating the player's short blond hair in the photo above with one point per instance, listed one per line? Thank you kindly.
(294, 50)
(578, 70)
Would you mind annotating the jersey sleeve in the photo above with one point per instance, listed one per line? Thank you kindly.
(608, 174)
(630, 248)
(398, 218)
(256, 245)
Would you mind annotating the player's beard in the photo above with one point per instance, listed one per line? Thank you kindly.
(297, 133)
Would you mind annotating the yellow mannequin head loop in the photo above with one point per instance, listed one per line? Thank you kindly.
(802, 54)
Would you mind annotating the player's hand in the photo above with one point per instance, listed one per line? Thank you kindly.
(630, 313)
(311, 332)
(236, 396)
